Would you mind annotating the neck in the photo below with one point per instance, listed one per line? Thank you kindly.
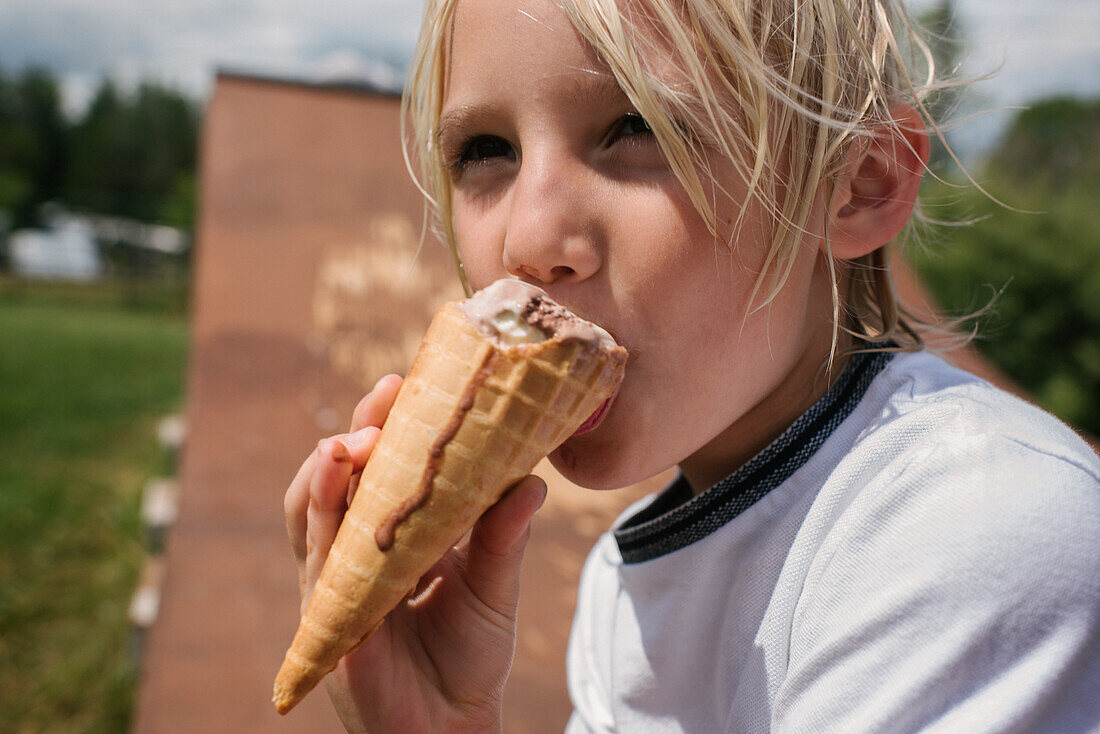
(803, 385)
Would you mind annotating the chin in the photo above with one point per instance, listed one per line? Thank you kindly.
(594, 464)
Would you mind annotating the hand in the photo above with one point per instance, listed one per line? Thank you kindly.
(439, 661)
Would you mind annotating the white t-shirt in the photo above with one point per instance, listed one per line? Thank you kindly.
(919, 552)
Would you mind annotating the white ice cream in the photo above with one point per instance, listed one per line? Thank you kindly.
(515, 313)
(512, 329)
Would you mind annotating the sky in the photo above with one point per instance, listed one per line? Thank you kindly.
(1037, 47)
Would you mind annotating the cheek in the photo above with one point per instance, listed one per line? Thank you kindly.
(654, 241)
(478, 248)
(680, 270)
(675, 238)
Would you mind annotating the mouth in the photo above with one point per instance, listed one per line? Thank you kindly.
(594, 420)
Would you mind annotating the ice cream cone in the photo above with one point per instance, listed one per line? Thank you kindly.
(472, 418)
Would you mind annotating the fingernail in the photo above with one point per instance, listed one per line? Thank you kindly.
(542, 493)
(340, 451)
(358, 437)
(380, 381)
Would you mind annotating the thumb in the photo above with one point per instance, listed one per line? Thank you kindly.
(498, 542)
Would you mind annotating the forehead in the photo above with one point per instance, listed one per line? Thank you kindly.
(495, 45)
(483, 29)
(491, 33)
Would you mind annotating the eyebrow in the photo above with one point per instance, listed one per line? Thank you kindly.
(453, 122)
(591, 86)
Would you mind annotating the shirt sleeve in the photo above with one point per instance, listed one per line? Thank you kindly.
(961, 596)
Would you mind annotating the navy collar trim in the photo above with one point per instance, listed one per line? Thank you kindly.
(676, 519)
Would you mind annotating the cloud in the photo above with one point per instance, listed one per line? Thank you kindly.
(183, 42)
(349, 66)
(1037, 47)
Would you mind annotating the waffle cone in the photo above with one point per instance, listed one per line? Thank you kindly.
(472, 418)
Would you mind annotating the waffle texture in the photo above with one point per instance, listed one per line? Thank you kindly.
(472, 418)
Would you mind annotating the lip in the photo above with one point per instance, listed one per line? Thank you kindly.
(593, 421)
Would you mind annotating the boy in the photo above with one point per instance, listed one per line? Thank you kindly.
(859, 540)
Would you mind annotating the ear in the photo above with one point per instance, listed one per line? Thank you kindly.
(877, 189)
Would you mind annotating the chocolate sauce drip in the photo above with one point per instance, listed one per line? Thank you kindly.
(384, 535)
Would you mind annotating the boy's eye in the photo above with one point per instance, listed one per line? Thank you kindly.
(632, 124)
(482, 148)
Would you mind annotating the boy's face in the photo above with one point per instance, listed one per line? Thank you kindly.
(557, 182)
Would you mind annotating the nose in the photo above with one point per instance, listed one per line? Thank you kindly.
(552, 234)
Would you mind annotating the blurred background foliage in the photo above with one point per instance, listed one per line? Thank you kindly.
(1035, 260)
(128, 154)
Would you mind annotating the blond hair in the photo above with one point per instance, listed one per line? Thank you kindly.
(779, 87)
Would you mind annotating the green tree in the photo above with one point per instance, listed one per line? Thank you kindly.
(101, 152)
(1054, 144)
(14, 182)
(134, 155)
(33, 142)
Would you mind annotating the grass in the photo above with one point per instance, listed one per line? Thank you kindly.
(85, 373)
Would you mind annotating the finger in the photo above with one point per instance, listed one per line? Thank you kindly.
(295, 503)
(497, 544)
(360, 445)
(327, 504)
(375, 405)
(372, 411)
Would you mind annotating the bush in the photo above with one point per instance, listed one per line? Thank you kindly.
(1043, 262)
